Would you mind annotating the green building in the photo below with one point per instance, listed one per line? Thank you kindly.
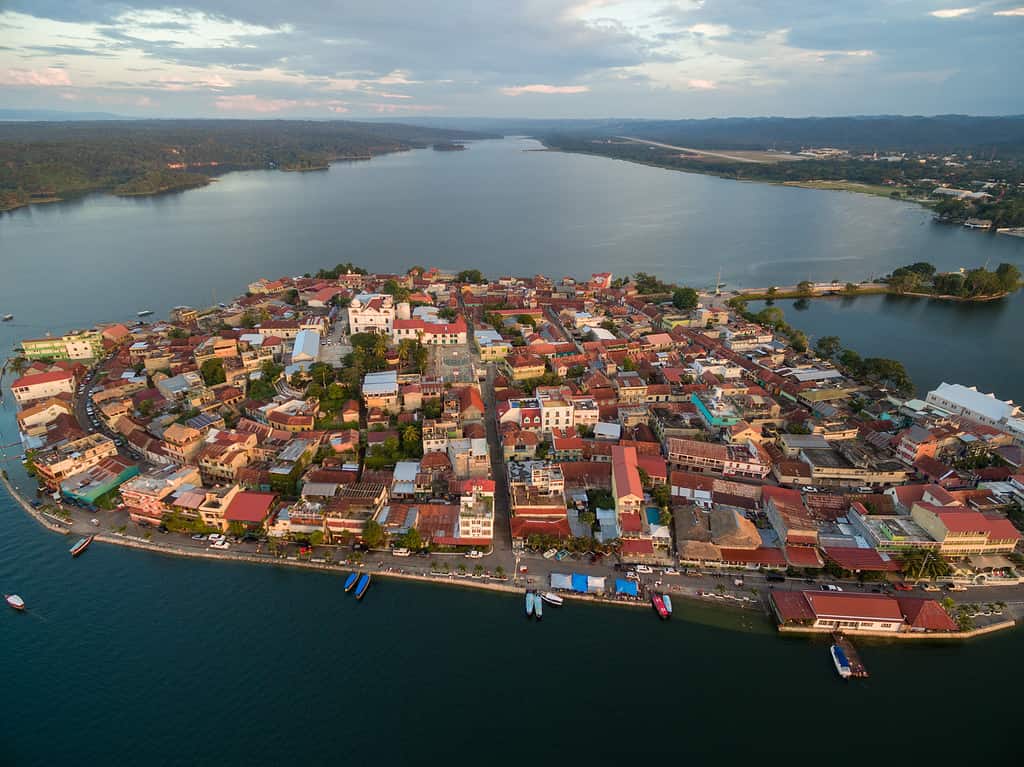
(76, 345)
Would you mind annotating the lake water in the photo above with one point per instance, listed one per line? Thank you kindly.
(131, 658)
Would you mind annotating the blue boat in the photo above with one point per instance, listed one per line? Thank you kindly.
(841, 663)
(363, 585)
(667, 600)
(538, 606)
(350, 582)
(531, 602)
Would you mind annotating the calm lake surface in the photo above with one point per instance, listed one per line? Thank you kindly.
(130, 658)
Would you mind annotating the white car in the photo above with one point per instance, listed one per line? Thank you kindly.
(671, 571)
(222, 545)
(217, 537)
(632, 576)
(830, 587)
(401, 552)
(809, 489)
(474, 554)
(550, 553)
(644, 569)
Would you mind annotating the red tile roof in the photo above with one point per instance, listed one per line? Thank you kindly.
(860, 560)
(830, 604)
(249, 507)
(625, 473)
(803, 556)
(637, 546)
(34, 379)
(523, 527)
(768, 557)
(926, 614)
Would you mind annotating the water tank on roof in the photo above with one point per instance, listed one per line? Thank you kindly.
(402, 311)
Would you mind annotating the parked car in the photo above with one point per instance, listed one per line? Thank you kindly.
(644, 569)
(632, 576)
(198, 537)
(474, 554)
(830, 587)
(222, 545)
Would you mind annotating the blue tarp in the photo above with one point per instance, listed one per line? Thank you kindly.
(579, 583)
(626, 587)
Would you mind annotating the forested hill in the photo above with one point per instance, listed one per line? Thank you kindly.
(45, 160)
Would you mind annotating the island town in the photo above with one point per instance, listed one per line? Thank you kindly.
(607, 439)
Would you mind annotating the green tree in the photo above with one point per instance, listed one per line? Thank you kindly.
(827, 346)
(411, 540)
(685, 299)
(212, 371)
(661, 495)
(805, 288)
(399, 293)
(1009, 276)
(373, 534)
(472, 276)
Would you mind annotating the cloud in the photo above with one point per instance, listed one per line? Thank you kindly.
(250, 103)
(952, 13)
(629, 58)
(37, 78)
(519, 90)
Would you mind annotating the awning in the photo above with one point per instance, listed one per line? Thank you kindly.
(629, 588)
(579, 583)
(561, 581)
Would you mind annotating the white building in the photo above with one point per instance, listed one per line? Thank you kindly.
(372, 313)
(970, 403)
(555, 414)
(36, 386)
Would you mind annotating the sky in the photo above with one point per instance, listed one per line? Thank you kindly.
(502, 58)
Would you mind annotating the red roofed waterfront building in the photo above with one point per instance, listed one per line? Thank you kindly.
(828, 611)
(249, 510)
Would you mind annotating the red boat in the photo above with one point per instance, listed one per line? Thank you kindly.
(81, 545)
(659, 606)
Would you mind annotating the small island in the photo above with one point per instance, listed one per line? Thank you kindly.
(447, 147)
(504, 434)
(919, 279)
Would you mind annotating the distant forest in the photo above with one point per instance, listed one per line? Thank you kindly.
(943, 133)
(47, 160)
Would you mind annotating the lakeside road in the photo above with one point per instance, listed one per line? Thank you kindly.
(747, 591)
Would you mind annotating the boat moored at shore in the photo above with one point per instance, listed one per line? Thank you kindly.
(363, 585)
(552, 598)
(667, 601)
(659, 606)
(841, 663)
(81, 545)
(350, 581)
(531, 600)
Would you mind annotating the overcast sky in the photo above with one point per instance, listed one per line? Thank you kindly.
(501, 58)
